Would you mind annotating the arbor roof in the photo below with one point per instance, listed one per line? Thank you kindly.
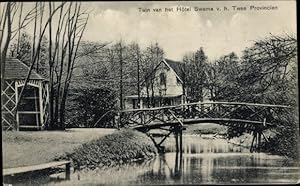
(16, 69)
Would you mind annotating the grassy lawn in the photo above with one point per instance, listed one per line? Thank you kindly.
(21, 148)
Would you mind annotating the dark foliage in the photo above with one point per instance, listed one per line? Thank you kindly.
(91, 104)
(268, 74)
(24, 50)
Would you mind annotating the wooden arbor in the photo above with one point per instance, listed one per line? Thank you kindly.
(32, 111)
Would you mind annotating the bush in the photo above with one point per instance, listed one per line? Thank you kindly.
(120, 147)
(286, 137)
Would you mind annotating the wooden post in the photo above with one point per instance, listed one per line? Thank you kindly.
(68, 171)
(141, 115)
(266, 139)
(256, 144)
(17, 114)
(41, 103)
(180, 140)
(252, 144)
(46, 125)
(180, 161)
(176, 163)
(259, 141)
(140, 103)
(176, 140)
(264, 123)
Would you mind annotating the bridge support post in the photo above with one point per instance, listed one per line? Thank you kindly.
(259, 141)
(178, 138)
(68, 171)
(178, 165)
(176, 141)
(252, 147)
(256, 141)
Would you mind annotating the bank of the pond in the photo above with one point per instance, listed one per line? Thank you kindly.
(26, 148)
(122, 146)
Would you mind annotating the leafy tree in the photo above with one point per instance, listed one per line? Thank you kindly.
(22, 53)
(91, 104)
(222, 78)
(195, 75)
(267, 69)
(22, 50)
(99, 66)
(152, 56)
(267, 74)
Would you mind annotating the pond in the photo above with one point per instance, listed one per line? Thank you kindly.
(203, 161)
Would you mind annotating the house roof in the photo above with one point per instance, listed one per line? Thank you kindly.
(16, 69)
(176, 66)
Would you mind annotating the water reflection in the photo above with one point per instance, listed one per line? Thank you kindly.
(216, 161)
(203, 161)
(216, 169)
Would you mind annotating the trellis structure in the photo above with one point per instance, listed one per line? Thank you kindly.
(32, 111)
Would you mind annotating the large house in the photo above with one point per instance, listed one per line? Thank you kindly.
(163, 87)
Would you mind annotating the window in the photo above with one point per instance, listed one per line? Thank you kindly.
(163, 79)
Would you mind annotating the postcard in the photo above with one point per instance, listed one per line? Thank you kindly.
(149, 93)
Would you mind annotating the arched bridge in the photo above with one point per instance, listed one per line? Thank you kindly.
(247, 117)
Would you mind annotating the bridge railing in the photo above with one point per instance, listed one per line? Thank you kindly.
(207, 103)
(220, 112)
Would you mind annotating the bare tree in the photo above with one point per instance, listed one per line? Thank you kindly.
(69, 31)
(62, 56)
(10, 9)
(152, 56)
(136, 57)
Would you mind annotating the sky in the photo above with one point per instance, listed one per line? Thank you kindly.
(218, 32)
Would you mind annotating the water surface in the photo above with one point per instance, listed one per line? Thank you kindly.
(203, 161)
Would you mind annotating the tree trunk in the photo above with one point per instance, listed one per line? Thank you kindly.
(138, 77)
(52, 122)
(121, 75)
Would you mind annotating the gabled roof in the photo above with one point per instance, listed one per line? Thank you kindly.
(16, 69)
(176, 66)
(170, 64)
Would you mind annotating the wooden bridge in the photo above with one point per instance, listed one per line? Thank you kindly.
(246, 117)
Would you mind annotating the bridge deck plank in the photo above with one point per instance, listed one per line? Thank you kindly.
(32, 168)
